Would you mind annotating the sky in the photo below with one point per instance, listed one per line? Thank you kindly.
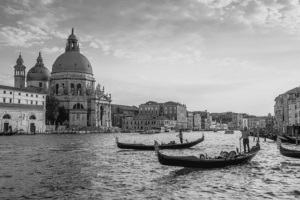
(214, 55)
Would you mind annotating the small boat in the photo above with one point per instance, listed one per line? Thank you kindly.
(289, 152)
(10, 133)
(283, 139)
(229, 132)
(290, 139)
(215, 130)
(148, 132)
(199, 162)
(162, 146)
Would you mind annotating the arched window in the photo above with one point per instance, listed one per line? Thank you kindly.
(78, 89)
(57, 86)
(72, 88)
(78, 106)
(32, 117)
(6, 116)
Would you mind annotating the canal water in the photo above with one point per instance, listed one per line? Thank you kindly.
(92, 167)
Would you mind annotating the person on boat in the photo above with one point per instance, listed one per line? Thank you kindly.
(245, 137)
(180, 136)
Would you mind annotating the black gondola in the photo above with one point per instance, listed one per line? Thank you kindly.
(290, 139)
(195, 162)
(283, 139)
(289, 152)
(162, 146)
(10, 133)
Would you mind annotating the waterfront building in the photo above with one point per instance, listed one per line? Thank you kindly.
(23, 107)
(245, 123)
(120, 112)
(190, 120)
(283, 114)
(196, 121)
(204, 116)
(73, 84)
(292, 110)
(170, 115)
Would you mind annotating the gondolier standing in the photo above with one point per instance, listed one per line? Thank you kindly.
(180, 136)
(245, 137)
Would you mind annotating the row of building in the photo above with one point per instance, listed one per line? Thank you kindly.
(174, 115)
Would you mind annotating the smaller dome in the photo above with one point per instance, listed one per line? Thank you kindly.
(39, 72)
(72, 36)
(20, 62)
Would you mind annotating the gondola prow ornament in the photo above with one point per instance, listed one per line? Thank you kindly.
(156, 147)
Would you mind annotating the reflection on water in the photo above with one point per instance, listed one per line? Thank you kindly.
(91, 167)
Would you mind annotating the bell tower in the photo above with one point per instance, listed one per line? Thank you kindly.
(20, 73)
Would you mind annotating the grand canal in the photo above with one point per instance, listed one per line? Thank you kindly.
(92, 167)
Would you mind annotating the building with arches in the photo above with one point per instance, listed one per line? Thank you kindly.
(23, 107)
(73, 83)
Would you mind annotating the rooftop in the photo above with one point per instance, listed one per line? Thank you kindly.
(30, 89)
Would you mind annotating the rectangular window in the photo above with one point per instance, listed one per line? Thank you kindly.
(19, 94)
(43, 103)
(31, 95)
(4, 92)
(10, 100)
(40, 85)
(31, 102)
(26, 95)
(10, 92)
(43, 96)
(4, 100)
(36, 95)
(19, 101)
(36, 102)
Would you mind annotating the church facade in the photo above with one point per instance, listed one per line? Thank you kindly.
(73, 83)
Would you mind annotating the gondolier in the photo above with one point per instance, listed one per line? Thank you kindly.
(180, 136)
(245, 137)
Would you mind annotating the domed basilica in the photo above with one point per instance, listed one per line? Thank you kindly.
(71, 82)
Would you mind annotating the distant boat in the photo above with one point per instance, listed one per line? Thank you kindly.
(215, 130)
(151, 131)
(229, 132)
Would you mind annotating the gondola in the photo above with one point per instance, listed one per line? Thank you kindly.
(283, 139)
(289, 152)
(196, 162)
(1, 133)
(272, 137)
(10, 133)
(229, 132)
(162, 146)
(291, 140)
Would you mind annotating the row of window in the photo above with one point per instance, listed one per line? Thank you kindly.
(19, 101)
(4, 92)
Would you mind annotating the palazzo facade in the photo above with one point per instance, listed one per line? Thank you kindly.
(23, 108)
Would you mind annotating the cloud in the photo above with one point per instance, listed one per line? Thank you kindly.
(11, 36)
(52, 50)
(95, 45)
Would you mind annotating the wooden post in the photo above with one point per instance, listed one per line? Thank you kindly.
(297, 133)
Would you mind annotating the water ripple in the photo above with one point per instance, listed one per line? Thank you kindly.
(91, 167)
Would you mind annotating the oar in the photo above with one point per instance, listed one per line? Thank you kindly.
(240, 146)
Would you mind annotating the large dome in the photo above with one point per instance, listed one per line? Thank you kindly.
(72, 61)
(39, 72)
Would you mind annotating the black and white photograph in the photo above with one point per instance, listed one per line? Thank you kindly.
(149, 99)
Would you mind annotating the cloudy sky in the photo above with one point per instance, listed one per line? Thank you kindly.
(215, 55)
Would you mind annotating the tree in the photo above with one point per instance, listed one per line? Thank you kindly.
(52, 111)
(63, 115)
